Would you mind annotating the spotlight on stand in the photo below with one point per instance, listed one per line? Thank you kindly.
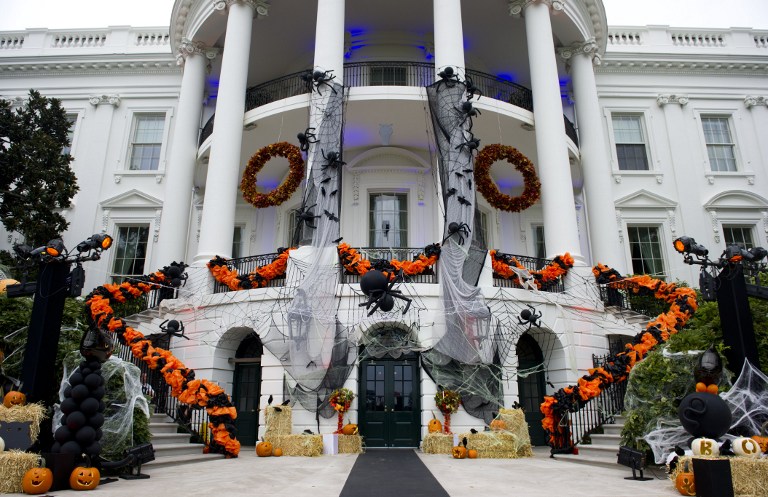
(687, 245)
(758, 253)
(634, 459)
(55, 248)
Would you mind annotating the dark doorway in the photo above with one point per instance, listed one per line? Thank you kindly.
(531, 388)
(247, 388)
(390, 402)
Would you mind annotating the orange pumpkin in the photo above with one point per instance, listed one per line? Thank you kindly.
(472, 453)
(762, 438)
(37, 481)
(713, 389)
(349, 429)
(84, 478)
(14, 398)
(264, 449)
(701, 387)
(459, 452)
(498, 425)
(435, 426)
(684, 483)
(277, 452)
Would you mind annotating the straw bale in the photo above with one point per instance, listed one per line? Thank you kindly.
(750, 476)
(516, 424)
(13, 465)
(33, 413)
(278, 422)
(350, 444)
(498, 444)
(437, 443)
(297, 445)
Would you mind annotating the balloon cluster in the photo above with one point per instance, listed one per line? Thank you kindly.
(83, 412)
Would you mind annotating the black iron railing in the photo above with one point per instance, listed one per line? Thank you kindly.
(190, 419)
(626, 299)
(397, 73)
(570, 131)
(146, 301)
(756, 278)
(499, 89)
(531, 264)
(387, 254)
(245, 265)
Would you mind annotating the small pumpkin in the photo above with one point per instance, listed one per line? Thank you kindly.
(701, 387)
(684, 483)
(37, 481)
(472, 453)
(84, 478)
(498, 425)
(277, 452)
(713, 389)
(434, 425)
(14, 398)
(705, 447)
(762, 438)
(264, 449)
(349, 429)
(459, 452)
(746, 447)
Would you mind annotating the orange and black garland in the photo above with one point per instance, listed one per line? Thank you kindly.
(487, 187)
(682, 305)
(286, 189)
(258, 278)
(354, 263)
(544, 278)
(181, 379)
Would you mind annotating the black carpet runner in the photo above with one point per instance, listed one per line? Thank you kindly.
(391, 472)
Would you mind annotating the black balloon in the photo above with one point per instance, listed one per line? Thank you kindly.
(85, 436)
(56, 447)
(98, 393)
(62, 434)
(75, 378)
(80, 392)
(86, 370)
(71, 447)
(68, 405)
(710, 368)
(75, 420)
(373, 281)
(93, 449)
(89, 406)
(96, 420)
(93, 380)
(704, 415)
(67, 391)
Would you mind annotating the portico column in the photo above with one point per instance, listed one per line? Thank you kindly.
(329, 38)
(559, 209)
(595, 162)
(449, 35)
(179, 176)
(218, 221)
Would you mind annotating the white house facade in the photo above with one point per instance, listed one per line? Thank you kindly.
(638, 135)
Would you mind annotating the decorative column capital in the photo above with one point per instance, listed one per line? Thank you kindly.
(663, 100)
(753, 101)
(588, 47)
(517, 7)
(96, 100)
(189, 47)
(260, 7)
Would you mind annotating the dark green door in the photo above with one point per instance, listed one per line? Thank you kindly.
(531, 388)
(247, 388)
(390, 408)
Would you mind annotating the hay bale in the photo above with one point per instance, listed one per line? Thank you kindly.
(350, 444)
(750, 476)
(498, 444)
(13, 465)
(278, 422)
(297, 445)
(34, 413)
(437, 443)
(516, 424)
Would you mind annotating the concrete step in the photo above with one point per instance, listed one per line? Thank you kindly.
(162, 462)
(586, 459)
(160, 418)
(157, 428)
(606, 440)
(177, 449)
(614, 429)
(170, 438)
(608, 451)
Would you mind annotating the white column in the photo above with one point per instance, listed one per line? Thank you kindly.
(595, 162)
(559, 209)
(218, 222)
(329, 38)
(179, 176)
(449, 35)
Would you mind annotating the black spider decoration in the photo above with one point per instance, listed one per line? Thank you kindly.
(304, 215)
(530, 317)
(320, 78)
(333, 160)
(380, 291)
(447, 77)
(305, 138)
(467, 111)
(173, 328)
(461, 230)
(470, 145)
(472, 90)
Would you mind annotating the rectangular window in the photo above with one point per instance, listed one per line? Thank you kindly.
(237, 242)
(631, 149)
(304, 234)
(645, 249)
(739, 235)
(130, 252)
(71, 119)
(388, 220)
(146, 142)
(539, 249)
(480, 233)
(388, 76)
(720, 146)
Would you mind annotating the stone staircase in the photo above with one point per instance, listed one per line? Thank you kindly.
(603, 450)
(172, 448)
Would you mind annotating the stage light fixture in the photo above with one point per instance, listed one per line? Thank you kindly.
(687, 245)
(55, 247)
(734, 253)
(758, 253)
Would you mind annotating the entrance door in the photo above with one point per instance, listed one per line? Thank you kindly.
(247, 389)
(531, 388)
(390, 407)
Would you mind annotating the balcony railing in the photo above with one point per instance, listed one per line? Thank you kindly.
(531, 264)
(375, 254)
(245, 265)
(395, 73)
(626, 299)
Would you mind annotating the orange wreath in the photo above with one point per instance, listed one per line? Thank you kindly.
(487, 187)
(286, 189)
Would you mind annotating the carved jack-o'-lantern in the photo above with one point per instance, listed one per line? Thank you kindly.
(684, 483)
(264, 449)
(705, 447)
(14, 398)
(746, 447)
(84, 478)
(435, 426)
(459, 452)
(37, 481)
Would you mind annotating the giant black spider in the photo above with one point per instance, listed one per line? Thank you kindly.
(530, 317)
(321, 78)
(470, 145)
(467, 111)
(471, 88)
(305, 138)
(447, 77)
(459, 229)
(304, 215)
(379, 290)
(333, 158)
(173, 328)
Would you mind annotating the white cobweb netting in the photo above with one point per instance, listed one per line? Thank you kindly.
(747, 399)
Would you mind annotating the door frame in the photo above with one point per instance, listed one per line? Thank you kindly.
(533, 344)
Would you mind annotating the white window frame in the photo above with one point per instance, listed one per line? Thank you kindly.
(749, 227)
(650, 141)
(731, 131)
(409, 212)
(665, 260)
(128, 223)
(728, 113)
(643, 131)
(78, 117)
(129, 128)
